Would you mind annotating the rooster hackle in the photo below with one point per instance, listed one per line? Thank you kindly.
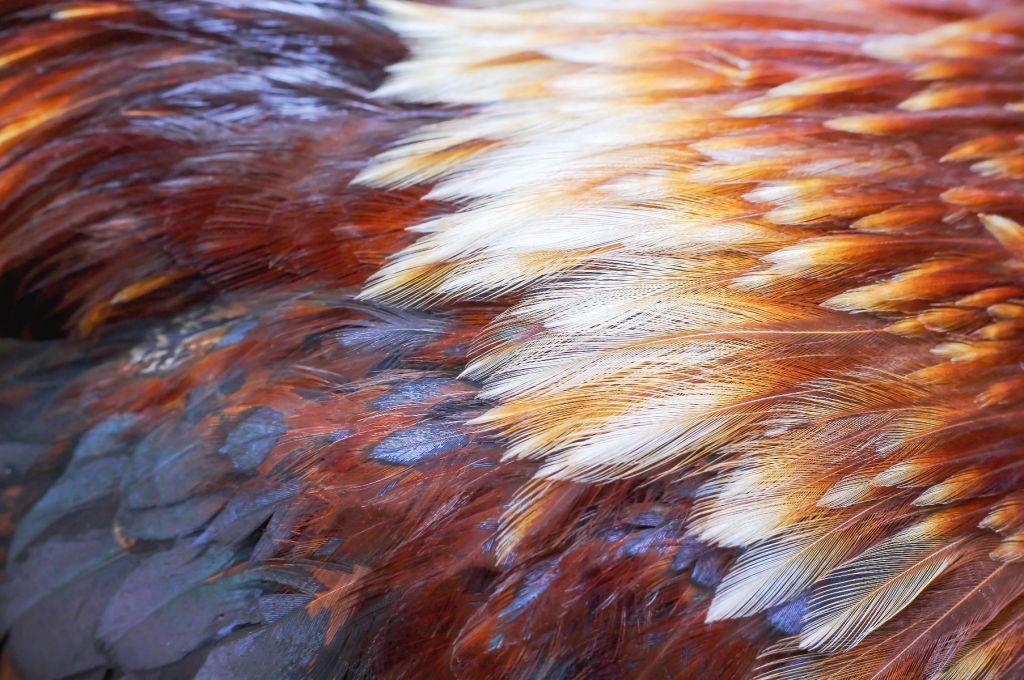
(485, 339)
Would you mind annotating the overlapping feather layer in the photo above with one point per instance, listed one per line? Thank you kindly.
(776, 246)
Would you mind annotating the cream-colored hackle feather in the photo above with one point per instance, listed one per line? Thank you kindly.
(788, 261)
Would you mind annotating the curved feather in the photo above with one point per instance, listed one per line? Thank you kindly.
(781, 568)
(702, 349)
(865, 592)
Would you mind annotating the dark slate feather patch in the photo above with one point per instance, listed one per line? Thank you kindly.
(788, 618)
(247, 510)
(17, 457)
(49, 642)
(103, 436)
(688, 553)
(418, 443)
(709, 569)
(80, 484)
(254, 437)
(237, 333)
(283, 650)
(171, 464)
(414, 392)
(170, 521)
(147, 627)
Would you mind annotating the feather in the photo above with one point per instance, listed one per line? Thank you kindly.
(143, 628)
(859, 596)
(540, 338)
(991, 653)
(781, 568)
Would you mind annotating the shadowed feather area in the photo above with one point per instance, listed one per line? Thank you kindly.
(523, 339)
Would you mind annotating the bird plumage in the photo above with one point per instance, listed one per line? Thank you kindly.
(573, 339)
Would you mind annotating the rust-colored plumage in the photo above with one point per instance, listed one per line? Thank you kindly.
(546, 338)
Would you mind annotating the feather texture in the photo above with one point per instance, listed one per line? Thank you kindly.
(768, 271)
(542, 338)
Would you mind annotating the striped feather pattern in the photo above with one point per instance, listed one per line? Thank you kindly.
(771, 246)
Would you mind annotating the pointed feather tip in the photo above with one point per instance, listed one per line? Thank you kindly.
(867, 124)
(398, 167)
(1006, 518)
(1008, 232)
(379, 289)
(724, 606)
(763, 107)
(1010, 550)
(404, 86)
(756, 280)
(900, 474)
(91, 10)
(922, 101)
(397, 9)
(848, 491)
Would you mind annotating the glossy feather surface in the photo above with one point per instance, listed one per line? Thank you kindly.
(573, 339)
